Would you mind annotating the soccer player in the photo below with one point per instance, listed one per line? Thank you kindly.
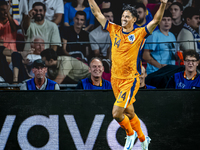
(127, 43)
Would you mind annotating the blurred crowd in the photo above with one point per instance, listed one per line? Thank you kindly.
(65, 35)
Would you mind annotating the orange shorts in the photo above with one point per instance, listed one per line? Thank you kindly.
(125, 91)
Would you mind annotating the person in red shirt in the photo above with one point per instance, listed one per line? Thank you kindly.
(8, 26)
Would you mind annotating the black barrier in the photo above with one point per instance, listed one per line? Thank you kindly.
(69, 120)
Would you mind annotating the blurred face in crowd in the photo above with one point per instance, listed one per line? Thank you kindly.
(48, 63)
(39, 72)
(143, 76)
(79, 21)
(3, 12)
(142, 15)
(39, 13)
(109, 16)
(190, 63)
(127, 19)
(194, 22)
(38, 46)
(166, 23)
(176, 12)
(145, 2)
(96, 68)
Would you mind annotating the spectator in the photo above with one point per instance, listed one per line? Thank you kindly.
(8, 26)
(106, 4)
(39, 82)
(76, 33)
(54, 9)
(40, 26)
(148, 12)
(142, 21)
(190, 29)
(37, 46)
(176, 10)
(190, 78)
(19, 72)
(95, 81)
(159, 54)
(78, 5)
(99, 35)
(142, 77)
(64, 69)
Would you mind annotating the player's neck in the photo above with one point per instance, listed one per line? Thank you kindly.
(127, 29)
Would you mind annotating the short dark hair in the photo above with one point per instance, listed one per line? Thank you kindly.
(131, 9)
(178, 4)
(106, 10)
(3, 3)
(191, 53)
(167, 13)
(189, 12)
(140, 5)
(39, 4)
(95, 58)
(49, 53)
(82, 13)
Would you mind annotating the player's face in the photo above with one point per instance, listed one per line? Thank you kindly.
(109, 16)
(38, 46)
(166, 23)
(79, 21)
(39, 72)
(127, 19)
(176, 12)
(96, 68)
(142, 15)
(191, 64)
(194, 22)
(39, 13)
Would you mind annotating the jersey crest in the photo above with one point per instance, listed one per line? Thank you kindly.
(131, 38)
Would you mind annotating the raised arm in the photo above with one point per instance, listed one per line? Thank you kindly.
(158, 16)
(97, 12)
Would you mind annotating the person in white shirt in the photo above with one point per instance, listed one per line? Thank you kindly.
(55, 9)
(40, 26)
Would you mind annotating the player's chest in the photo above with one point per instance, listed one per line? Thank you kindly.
(123, 41)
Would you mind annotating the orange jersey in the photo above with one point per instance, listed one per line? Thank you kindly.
(126, 50)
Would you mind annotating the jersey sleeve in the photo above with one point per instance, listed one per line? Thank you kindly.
(109, 26)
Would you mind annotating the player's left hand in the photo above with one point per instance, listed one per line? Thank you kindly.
(164, 1)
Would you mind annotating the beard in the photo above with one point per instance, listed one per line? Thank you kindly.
(39, 18)
(140, 21)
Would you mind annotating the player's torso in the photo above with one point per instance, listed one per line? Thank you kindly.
(125, 53)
